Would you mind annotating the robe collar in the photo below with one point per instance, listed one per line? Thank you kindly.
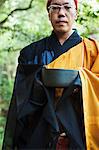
(59, 49)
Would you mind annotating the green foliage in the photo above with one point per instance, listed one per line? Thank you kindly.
(3, 113)
(6, 88)
(20, 30)
(7, 73)
(1, 135)
(88, 18)
(2, 125)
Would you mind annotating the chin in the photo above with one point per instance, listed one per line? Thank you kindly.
(63, 29)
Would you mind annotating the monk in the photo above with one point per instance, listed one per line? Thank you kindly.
(32, 121)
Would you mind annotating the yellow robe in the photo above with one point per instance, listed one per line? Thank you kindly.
(85, 58)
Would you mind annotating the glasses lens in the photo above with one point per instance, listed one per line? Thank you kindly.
(56, 8)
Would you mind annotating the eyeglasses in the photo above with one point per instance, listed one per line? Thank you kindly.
(57, 8)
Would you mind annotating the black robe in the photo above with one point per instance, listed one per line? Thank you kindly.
(33, 120)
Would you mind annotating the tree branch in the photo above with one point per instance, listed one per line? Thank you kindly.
(15, 30)
(17, 9)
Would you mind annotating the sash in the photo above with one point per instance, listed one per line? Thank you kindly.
(85, 58)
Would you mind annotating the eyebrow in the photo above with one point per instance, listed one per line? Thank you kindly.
(59, 4)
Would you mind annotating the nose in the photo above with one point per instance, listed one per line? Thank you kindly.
(61, 13)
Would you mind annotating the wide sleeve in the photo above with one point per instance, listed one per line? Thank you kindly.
(90, 92)
(16, 103)
(21, 103)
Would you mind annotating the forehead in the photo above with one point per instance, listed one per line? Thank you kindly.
(63, 2)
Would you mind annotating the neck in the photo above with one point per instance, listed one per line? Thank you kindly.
(62, 37)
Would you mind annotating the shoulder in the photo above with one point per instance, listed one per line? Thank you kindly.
(91, 43)
(34, 46)
(29, 51)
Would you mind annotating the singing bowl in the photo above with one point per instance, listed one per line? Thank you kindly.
(58, 77)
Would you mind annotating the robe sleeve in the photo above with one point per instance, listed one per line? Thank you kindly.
(21, 91)
(90, 90)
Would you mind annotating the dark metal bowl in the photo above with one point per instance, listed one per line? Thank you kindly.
(58, 77)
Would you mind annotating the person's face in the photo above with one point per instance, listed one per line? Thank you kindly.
(62, 18)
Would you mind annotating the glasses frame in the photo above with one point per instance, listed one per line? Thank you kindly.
(59, 7)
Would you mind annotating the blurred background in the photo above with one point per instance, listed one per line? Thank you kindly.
(23, 22)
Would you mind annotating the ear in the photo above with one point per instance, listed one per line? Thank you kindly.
(76, 17)
(76, 14)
